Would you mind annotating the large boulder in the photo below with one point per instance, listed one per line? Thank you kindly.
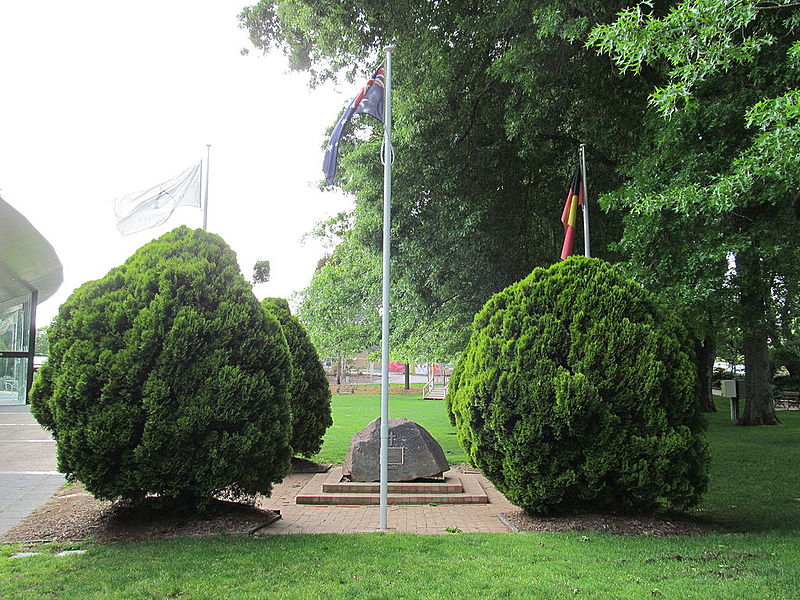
(413, 453)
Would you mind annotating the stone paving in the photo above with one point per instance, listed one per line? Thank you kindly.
(427, 519)
(28, 476)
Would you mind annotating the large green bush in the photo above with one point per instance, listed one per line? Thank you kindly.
(167, 377)
(576, 391)
(309, 392)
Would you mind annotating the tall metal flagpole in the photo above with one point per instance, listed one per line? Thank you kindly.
(205, 201)
(586, 249)
(387, 218)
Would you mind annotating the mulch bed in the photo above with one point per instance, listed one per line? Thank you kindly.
(303, 465)
(607, 523)
(73, 515)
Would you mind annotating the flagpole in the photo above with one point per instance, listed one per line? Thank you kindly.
(387, 217)
(586, 249)
(205, 202)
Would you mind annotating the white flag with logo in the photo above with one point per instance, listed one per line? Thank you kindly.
(152, 207)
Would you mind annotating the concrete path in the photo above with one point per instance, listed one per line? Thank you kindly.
(28, 475)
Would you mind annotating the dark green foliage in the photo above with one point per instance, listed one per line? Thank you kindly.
(261, 271)
(577, 390)
(487, 120)
(309, 392)
(166, 376)
(786, 383)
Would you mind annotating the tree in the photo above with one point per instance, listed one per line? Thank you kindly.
(42, 345)
(488, 117)
(576, 390)
(261, 271)
(166, 377)
(340, 306)
(309, 392)
(730, 70)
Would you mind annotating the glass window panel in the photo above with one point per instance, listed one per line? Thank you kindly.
(13, 380)
(15, 319)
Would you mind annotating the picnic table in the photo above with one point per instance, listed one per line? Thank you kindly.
(787, 399)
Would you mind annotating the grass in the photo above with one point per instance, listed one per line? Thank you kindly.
(454, 566)
(755, 474)
(754, 487)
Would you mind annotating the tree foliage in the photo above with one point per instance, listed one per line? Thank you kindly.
(340, 306)
(261, 271)
(166, 377)
(42, 344)
(309, 392)
(489, 110)
(576, 390)
(719, 169)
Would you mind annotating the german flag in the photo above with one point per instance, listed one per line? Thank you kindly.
(574, 198)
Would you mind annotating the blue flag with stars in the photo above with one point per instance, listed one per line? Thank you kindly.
(369, 101)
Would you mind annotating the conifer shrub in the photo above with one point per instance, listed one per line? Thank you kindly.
(577, 391)
(167, 377)
(309, 392)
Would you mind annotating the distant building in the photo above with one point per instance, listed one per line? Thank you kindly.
(30, 273)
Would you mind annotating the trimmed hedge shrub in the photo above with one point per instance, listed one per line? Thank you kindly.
(309, 392)
(576, 391)
(167, 377)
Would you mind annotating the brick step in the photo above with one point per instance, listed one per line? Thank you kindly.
(357, 487)
(354, 499)
(316, 491)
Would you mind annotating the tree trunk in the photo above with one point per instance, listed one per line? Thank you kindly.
(705, 350)
(754, 293)
(408, 377)
(339, 369)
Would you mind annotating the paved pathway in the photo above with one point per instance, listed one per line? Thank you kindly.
(304, 518)
(28, 475)
(28, 478)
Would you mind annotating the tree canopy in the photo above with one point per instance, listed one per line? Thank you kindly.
(713, 193)
(490, 107)
(689, 110)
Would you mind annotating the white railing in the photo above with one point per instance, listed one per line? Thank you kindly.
(436, 382)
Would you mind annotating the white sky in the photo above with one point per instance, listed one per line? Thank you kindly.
(99, 99)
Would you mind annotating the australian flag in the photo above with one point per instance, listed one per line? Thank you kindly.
(368, 102)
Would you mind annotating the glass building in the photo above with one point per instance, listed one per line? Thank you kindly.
(30, 273)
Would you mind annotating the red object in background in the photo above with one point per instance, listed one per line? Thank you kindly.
(397, 367)
(440, 369)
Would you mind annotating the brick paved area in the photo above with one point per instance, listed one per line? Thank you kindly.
(469, 518)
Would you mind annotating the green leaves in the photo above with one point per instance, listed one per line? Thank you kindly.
(309, 392)
(491, 102)
(576, 391)
(167, 377)
(696, 38)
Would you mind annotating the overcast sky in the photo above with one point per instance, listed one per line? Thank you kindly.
(103, 98)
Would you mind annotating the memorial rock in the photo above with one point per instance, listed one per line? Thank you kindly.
(413, 453)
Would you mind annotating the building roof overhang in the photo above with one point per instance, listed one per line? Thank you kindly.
(27, 260)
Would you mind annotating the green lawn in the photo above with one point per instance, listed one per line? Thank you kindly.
(754, 487)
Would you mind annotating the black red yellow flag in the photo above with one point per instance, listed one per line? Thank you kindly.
(569, 215)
